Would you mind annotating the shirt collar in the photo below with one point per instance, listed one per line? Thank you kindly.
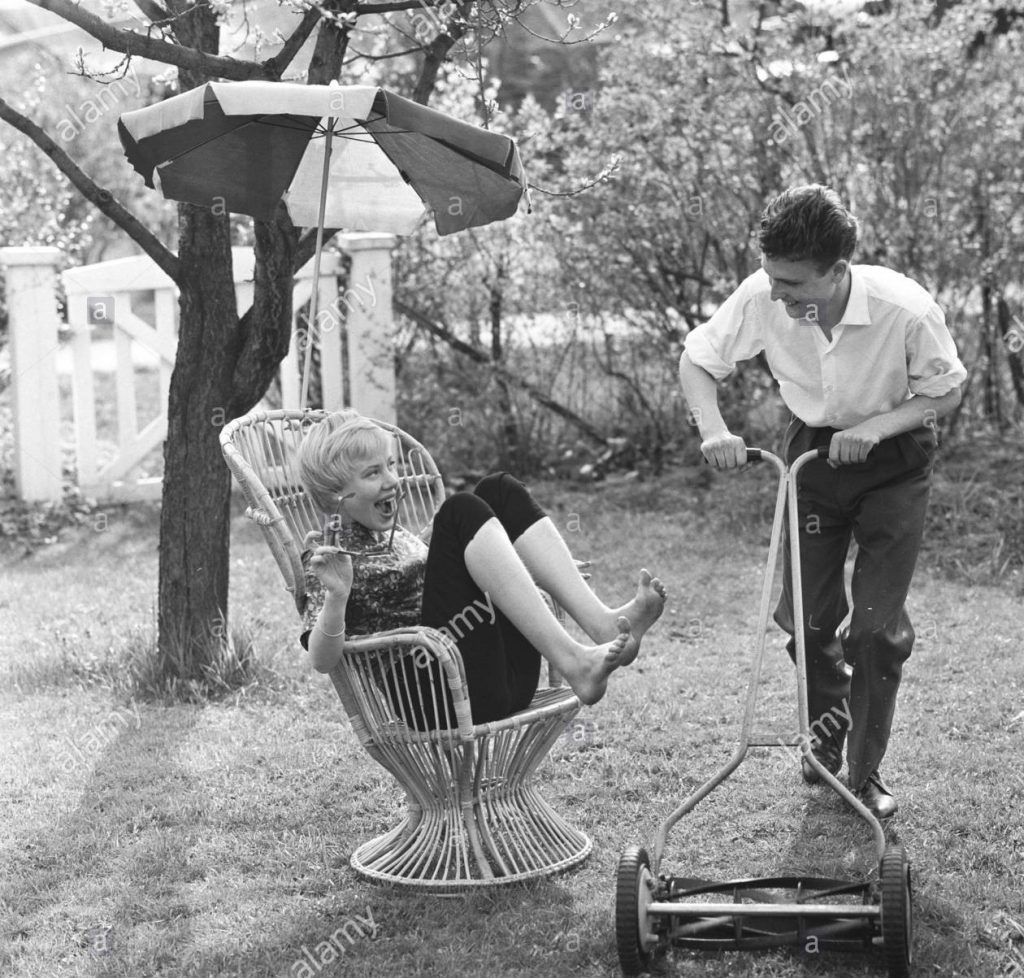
(856, 312)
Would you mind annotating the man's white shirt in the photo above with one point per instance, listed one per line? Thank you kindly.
(891, 343)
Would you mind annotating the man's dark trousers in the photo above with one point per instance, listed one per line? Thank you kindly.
(880, 503)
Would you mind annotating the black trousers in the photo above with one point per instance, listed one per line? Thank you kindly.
(880, 503)
(502, 667)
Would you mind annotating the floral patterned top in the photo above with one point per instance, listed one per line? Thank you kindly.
(387, 589)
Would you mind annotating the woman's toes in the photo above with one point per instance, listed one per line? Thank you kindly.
(626, 645)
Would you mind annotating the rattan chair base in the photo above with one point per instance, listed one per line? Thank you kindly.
(386, 859)
(433, 850)
(487, 825)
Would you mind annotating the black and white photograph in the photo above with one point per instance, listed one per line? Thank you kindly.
(511, 488)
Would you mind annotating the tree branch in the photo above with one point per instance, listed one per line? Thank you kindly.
(96, 195)
(331, 41)
(265, 328)
(395, 5)
(435, 53)
(563, 38)
(280, 61)
(132, 44)
(460, 346)
(380, 57)
(152, 10)
(306, 247)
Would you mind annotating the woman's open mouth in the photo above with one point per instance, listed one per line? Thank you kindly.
(387, 507)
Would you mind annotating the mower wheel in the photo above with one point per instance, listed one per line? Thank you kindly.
(634, 885)
(897, 911)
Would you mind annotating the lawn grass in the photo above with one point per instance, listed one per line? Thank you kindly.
(213, 839)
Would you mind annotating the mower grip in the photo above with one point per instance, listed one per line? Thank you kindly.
(754, 454)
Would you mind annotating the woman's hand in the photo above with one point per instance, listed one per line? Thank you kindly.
(332, 569)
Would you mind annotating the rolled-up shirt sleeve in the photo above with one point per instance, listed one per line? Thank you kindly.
(732, 334)
(933, 367)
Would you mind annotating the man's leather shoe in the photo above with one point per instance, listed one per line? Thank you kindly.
(875, 795)
(829, 753)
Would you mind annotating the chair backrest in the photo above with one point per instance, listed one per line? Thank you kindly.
(262, 448)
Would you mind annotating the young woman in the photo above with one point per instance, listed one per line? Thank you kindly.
(476, 580)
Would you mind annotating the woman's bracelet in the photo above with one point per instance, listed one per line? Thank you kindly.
(330, 634)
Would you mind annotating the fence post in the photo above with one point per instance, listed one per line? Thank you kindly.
(369, 321)
(30, 278)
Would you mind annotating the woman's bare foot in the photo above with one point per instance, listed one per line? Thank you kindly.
(645, 608)
(589, 676)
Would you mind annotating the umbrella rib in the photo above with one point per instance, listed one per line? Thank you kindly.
(221, 135)
(261, 120)
(352, 132)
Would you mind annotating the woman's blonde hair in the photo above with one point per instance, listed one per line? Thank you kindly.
(332, 451)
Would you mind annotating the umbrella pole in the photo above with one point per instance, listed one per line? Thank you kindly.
(314, 300)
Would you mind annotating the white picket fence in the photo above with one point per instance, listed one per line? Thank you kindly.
(133, 301)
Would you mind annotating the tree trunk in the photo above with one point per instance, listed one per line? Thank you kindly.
(510, 430)
(193, 559)
(1014, 342)
(222, 369)
(990, 357)
(989, 348)
(193, 588)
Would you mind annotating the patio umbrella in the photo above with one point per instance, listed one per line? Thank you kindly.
(355, 157)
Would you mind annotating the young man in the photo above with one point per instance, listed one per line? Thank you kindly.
(867, 367)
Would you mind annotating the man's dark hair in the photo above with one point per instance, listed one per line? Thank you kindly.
(808, 223)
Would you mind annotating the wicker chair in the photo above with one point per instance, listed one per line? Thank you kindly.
(473, 816)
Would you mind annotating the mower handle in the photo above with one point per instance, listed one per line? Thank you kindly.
(759, 454)
(754, 454)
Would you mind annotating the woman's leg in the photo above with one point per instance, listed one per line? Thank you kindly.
(502, 576)
(455, 604)
(474, 578)
(547, 557)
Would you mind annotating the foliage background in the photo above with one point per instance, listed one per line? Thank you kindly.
(678, 122)
(914, 119)
(653, 138)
